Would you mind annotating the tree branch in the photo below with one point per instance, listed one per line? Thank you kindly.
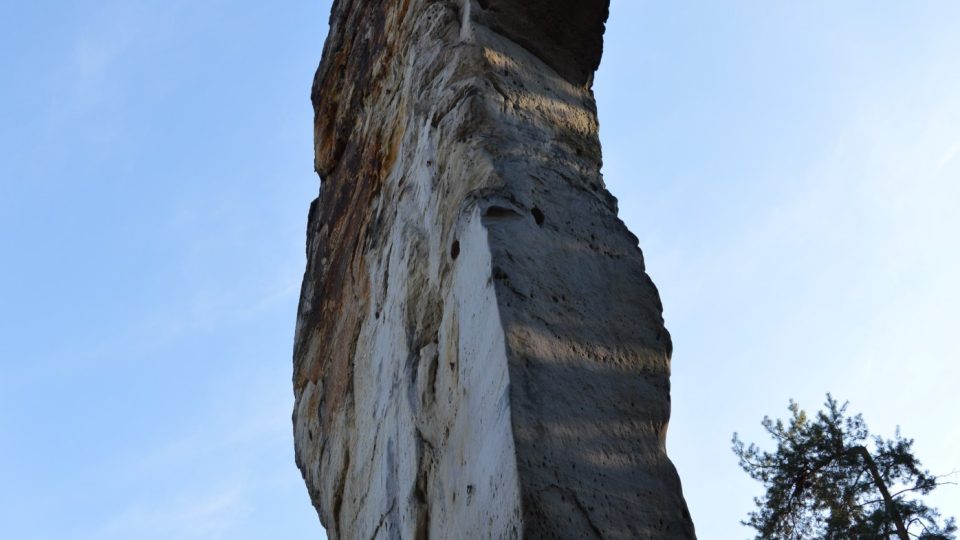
(891, 508)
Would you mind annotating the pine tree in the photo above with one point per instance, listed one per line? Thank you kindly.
(825, 480)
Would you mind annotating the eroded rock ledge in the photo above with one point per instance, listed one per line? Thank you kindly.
(479, 352)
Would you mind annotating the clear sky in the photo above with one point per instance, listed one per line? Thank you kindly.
(792, 170)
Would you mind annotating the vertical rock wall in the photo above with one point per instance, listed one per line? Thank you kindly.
(479, 352)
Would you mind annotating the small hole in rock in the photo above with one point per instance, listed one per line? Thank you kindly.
(500, 212)
(538, 215)
(455, 250)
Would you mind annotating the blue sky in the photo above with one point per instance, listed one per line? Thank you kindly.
(792, 171)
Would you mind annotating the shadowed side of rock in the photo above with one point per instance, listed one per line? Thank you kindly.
(479, 352)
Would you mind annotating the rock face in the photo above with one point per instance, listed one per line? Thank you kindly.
(479, 352)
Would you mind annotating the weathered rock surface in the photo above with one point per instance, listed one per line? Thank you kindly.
(479, 352)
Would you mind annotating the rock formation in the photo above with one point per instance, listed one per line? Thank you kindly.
(479, 352)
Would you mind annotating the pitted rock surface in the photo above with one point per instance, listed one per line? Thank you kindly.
(479, 352)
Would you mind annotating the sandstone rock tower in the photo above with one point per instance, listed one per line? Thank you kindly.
(479, 352)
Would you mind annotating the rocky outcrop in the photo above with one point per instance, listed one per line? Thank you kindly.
(479, 352)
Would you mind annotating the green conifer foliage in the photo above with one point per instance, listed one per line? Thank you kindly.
(828, 479)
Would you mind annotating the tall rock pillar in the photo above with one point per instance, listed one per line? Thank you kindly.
(479, 352)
